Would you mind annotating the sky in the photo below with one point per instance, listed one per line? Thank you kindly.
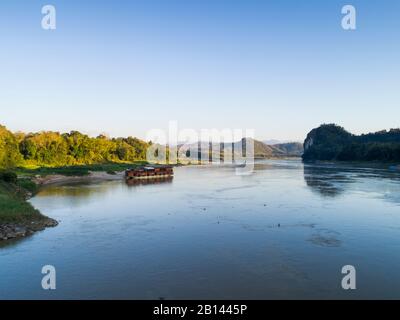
(280, 67)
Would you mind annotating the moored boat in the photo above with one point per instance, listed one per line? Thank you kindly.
(149, 172)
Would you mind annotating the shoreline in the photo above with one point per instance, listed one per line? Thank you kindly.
(97, 176)
(28, 220)
(14, 230)
(17, 230)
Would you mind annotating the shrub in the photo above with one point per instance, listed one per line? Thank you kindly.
(8, 176)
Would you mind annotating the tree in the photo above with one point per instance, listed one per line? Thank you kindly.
(331, 142)
(9, 152)
(74, 148)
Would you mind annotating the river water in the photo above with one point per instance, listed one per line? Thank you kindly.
(284, 231)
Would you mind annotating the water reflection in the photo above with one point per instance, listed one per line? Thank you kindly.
(136, 182)
(332, 180)
(87, 189)
(77, 189)
(325, 180)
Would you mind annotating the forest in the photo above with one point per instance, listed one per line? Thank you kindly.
(332, 142)
(54, 149)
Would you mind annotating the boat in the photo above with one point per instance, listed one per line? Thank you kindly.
(149, 172)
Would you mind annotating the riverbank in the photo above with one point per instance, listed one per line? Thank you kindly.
(95, 173)
(9, 231)
(76, 171)
(18, 218)
(90, 177)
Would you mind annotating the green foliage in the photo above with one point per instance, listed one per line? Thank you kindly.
(8, 176)
(13, 207)
(73, 154)
(27, 185)
(52, 149)
(9, 152)
(331, 142)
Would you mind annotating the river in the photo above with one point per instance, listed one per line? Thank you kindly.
(284, 231)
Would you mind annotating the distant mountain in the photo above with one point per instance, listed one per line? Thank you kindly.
(261, 150)
(272, 142)
(294, 149)
(332, 142)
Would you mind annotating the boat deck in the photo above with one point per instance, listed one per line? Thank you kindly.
(149, 172)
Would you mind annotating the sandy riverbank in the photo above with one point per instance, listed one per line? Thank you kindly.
(91, 177)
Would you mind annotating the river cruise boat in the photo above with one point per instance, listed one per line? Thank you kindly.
(149, 172)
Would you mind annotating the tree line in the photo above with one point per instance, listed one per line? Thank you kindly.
(332, 142)
(74, 148)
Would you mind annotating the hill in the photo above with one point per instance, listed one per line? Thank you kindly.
(332, 142)
(261, 149)
(294, 149)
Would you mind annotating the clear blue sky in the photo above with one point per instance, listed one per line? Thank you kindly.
(123, 67)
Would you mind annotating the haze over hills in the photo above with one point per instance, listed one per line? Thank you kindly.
(261, 149)
(272, 142)
(291, 148)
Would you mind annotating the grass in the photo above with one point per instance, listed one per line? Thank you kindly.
(13, 206)
(28, 185)
(79, 170)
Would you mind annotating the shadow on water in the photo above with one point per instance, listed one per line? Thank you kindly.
(334, 179)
